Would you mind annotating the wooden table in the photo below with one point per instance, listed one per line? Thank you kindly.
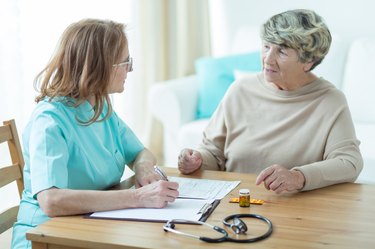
(340, 216)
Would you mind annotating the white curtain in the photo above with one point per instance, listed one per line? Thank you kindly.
(173, 34)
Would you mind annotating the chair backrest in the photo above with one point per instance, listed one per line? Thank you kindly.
(14, 172)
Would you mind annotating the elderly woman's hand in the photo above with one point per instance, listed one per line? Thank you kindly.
(279, 179)
(189, 161)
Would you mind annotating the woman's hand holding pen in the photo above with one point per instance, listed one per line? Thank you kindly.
(151, 189)
(143, 167)
(157, 194)
(145, 174)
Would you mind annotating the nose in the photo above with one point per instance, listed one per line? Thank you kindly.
(269, 57)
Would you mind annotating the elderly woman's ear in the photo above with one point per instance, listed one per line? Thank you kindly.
(308, 66)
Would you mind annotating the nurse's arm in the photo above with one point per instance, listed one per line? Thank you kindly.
(143, 167)
(62, 202)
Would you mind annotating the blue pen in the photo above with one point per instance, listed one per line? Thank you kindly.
(161, 173)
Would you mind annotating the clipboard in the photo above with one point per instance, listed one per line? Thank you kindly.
(209, 210)
(191, 209)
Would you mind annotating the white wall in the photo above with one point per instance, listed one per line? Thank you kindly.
(348, 19)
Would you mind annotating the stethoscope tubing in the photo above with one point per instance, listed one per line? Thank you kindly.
(256, 216)
(170, 227)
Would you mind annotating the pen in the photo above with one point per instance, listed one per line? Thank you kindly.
(161, 173)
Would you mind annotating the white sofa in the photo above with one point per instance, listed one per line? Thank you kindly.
(174, 102)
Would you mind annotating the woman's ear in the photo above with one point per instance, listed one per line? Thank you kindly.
(308, 66)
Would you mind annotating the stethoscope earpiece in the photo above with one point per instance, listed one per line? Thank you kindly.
(169, 226)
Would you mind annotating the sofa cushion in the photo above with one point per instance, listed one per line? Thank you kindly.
(190, 135)
(217, 74)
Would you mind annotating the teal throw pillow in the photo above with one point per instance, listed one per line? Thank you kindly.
(217, 74)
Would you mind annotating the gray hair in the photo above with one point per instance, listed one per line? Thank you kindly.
(302, 30)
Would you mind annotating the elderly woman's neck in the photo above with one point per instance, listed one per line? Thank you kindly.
(296, 82)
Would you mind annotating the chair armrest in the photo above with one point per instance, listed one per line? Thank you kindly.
(174, 102)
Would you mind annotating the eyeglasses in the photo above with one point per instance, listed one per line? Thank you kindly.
(128, 62)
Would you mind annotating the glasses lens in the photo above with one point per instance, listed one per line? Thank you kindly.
(130, 65)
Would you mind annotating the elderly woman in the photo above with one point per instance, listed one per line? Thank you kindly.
(286, 124)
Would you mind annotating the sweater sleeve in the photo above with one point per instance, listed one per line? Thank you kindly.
(342, 160)
(212, 146)
(213, 142)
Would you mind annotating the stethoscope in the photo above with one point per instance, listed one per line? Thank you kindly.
(238, 226)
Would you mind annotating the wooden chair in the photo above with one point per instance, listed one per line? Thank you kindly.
(14, 172)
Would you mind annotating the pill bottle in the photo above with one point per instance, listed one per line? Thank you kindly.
(244, 197)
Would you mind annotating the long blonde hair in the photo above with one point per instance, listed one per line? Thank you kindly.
(81, 66)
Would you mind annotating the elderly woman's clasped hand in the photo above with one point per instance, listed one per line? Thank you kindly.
(189, 161)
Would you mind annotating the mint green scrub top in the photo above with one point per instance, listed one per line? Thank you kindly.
(60, 152)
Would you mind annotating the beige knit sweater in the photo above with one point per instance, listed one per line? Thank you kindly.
(310, 129)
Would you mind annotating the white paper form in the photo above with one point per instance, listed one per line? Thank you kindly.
(203, 188)
(179, 209)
